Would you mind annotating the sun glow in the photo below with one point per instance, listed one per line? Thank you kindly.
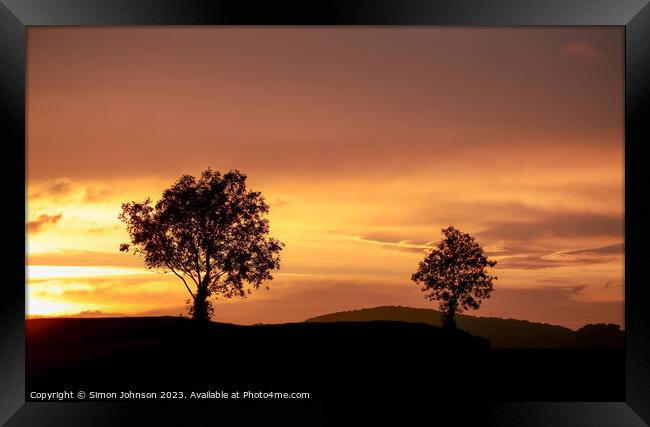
(47, 272)
(39, 306)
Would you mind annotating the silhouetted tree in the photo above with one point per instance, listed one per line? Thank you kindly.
(454, 274)
(211, 232)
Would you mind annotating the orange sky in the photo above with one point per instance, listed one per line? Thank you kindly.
(365, 141)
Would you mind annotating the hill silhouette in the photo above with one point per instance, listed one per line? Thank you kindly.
(502, 333)
(342, 361)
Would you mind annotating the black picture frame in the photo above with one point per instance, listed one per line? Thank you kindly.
(17, 15)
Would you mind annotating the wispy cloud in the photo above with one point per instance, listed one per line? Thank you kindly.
(540, 261)
(43, 221)
(613, 284)
(387, 242)
(96, 194)
(103, 229)
(53, 188)
(570, 224)
(82, 257)
(616, 249)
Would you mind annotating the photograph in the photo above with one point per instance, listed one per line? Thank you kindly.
(297, 215)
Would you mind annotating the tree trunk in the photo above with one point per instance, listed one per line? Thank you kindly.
(449, 322)
(201, 309)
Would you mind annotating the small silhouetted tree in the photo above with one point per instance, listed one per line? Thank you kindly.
(211, 232)
(454, 274)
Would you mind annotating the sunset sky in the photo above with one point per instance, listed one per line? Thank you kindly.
(364, 141)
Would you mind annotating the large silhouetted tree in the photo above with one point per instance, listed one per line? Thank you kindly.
(211, 232)
(454, 274)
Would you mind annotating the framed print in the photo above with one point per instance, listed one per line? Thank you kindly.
(240, 210)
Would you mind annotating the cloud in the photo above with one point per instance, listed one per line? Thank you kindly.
(85, 258)
(54, 188)
(582, 51)
(115, 294)
(572, 224)
(459, 210)
(501, 222)
(553, 260)
(103, 229)
(587, 256)
(397, 238)
(520, 245)
(613, 284)
(529, 262)
(42, 222)
(96, 195)
(540, 260)
(554, 281)
(389, 241)
(568, 289)
(616, 249)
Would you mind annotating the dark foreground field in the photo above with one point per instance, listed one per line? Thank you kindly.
(330, 361)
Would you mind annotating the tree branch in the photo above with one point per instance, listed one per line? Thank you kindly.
(189, 273)
(183, 279)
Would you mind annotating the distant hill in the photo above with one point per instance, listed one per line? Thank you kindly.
(502, 333)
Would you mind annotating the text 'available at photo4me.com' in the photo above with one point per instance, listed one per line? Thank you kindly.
(95, 395)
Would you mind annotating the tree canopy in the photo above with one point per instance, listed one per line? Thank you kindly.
(454, 274)
(211, 232)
